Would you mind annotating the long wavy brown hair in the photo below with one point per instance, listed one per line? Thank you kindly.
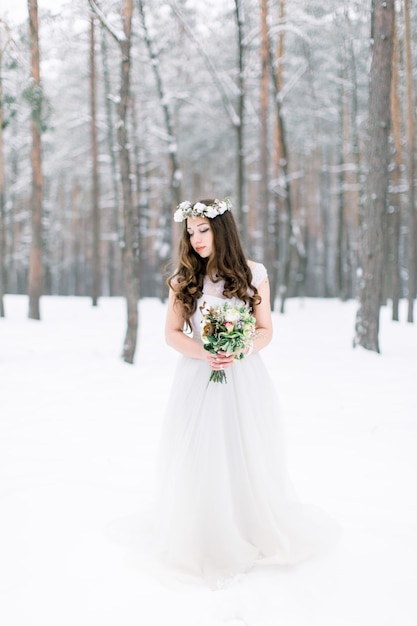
(227, 262)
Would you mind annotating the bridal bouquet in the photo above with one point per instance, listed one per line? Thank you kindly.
(226, 328)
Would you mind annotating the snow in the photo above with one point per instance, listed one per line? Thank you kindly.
(77, 449)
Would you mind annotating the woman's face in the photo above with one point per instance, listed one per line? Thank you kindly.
(201, 235)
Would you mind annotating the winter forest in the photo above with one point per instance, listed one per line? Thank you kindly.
(302, 113)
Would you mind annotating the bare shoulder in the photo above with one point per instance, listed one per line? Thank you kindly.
(253, 264)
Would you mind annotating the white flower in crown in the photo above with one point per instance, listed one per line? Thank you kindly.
(186, 209)
(183, 211)
(224, 205)
(200, 209)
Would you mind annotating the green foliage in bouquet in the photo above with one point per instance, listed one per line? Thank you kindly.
(226, 328)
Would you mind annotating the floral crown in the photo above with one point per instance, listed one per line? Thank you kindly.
(186, 209)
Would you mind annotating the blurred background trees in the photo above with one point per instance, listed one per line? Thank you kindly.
(262, 101)
(374, 200)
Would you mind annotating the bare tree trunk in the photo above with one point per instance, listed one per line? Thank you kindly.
(114, 244)
(341, 220)
(290, 239)
(12, 281)
(35, 263)
(349, 166)
(263, 140)
(394, 215)
(355, 181)
(367, 318)
(2, 193)
(316, 230)
(76, 243)
(149, 253)
(291, 236)
(96, 282)
(129, 249)
(242, 208)
(59, 278)
(282, 190)
(410, 124)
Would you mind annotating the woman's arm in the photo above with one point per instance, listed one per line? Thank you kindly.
(262, 313)
(175, 336)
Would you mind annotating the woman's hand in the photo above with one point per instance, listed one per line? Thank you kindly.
(243, 353)
(219, 361)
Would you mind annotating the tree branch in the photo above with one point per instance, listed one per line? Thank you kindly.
(212, 69)
(119, 36)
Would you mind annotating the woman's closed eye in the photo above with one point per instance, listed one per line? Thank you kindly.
(202, 231)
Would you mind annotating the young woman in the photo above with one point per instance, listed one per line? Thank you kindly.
(224, 502)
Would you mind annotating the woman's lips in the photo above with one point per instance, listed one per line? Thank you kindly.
(200, 248)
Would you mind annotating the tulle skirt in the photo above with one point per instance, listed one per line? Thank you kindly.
(224, 501)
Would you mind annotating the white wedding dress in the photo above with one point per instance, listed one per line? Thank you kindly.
(224, 502)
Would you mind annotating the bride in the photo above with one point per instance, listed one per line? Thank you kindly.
(224, 502)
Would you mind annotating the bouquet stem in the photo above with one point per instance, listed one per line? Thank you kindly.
(218, 376)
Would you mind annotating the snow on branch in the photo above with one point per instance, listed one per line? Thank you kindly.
(118, 35)
(211, 67)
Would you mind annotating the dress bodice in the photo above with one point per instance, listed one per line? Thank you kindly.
(213, 295)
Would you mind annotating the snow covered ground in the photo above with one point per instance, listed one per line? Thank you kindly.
(77, 450)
